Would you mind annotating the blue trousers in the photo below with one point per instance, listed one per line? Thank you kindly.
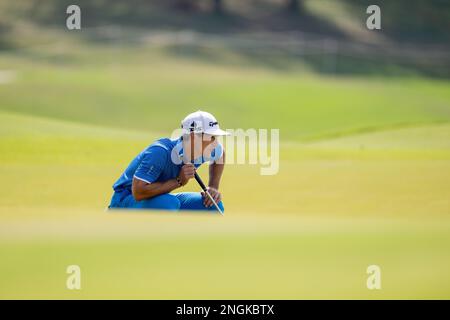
(167, 201)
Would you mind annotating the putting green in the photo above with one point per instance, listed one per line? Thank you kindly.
(364, 179)
(259, 256)
(342, 209)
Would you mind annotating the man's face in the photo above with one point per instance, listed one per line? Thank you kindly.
(199, 144)
(208, 142)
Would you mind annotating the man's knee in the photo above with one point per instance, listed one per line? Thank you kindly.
(194, 201)
(220, 205)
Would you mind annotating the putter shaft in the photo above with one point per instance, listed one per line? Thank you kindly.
(214, 202)
(202, 185)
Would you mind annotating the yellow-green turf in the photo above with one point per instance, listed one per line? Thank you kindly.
(364, 179)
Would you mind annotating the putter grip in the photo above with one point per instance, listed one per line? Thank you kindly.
(200, 182)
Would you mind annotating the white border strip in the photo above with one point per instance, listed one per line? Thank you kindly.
(141, 179)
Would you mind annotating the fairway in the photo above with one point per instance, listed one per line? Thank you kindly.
(364, 179)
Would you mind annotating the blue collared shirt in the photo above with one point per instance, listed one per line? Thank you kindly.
(159, 162)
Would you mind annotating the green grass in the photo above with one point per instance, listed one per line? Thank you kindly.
(260, 255)
(340, 211)
(126, 90)
(364, 179)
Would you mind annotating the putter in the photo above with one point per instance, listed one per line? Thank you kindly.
(205, 190)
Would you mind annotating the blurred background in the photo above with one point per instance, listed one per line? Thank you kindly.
(364, 161)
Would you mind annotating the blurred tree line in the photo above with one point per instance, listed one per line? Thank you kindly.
(218, 6)
(421, 20)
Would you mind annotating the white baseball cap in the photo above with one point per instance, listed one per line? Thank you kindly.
(202, 122)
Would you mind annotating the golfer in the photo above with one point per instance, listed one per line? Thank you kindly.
(167, 165)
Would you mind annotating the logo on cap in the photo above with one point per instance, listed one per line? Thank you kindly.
(195, 126)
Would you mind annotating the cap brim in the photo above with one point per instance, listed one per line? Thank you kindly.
(217, 132)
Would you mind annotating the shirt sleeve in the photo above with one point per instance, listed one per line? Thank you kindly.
(152, 164)
(217, 153)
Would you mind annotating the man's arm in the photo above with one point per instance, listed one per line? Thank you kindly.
(215, 174)
(143, 190)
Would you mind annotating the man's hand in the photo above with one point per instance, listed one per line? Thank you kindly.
(186, 173)
(215, 194)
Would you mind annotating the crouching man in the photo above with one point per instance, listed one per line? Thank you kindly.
(167, 165)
